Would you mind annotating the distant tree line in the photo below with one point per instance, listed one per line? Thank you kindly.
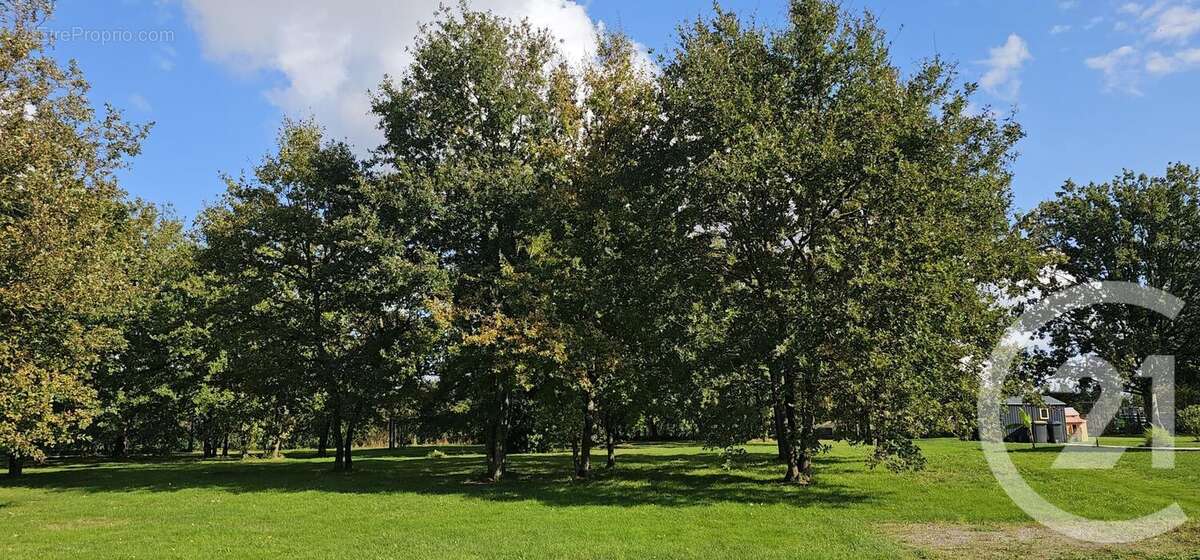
(769, 230)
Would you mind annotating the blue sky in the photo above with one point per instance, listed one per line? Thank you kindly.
(1098, 85)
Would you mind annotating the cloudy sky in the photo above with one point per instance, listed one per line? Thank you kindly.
(1100, 85)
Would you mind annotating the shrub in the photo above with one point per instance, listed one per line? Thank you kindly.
(1189, 421)
(1153, 431)
(436, 454)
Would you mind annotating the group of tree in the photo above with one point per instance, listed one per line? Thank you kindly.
(770, 229)
(1135, 228)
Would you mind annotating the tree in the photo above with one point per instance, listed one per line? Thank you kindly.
(146, 387)
(592, 267)
(1134, 228)
(852, 215)
(64, 233)
(323, 295)
(474, 122)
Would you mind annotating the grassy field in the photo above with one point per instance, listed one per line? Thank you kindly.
(1135, 441)
(663, 501)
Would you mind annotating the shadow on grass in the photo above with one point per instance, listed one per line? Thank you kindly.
(1044, 448)
(402, 452)
(659, 478)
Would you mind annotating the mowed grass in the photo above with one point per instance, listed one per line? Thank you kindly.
(663, 501)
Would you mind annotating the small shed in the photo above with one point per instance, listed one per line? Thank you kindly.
(1076, 425)
(1049, 420)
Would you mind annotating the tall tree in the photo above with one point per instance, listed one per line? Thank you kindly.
(1135, 228)
(323, 290)
(596, 269)
(146, 387)
(852, 214)
(64, 232)
(474, 122)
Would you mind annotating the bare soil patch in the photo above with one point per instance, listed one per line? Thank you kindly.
(1006, 541)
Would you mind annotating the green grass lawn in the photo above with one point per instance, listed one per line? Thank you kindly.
(1137, 441)
(663, 501)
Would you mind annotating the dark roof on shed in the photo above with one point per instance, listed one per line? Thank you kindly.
(1048, 400)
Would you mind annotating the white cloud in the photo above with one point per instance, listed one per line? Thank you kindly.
(1159, 64)
(1165, 21)
(1154, 9)
(329, 54)
(1067, 4)
(1156, 63)
(1060, 28)
(1177, 23)
(165, 58)
(1132, 8)
(1004, 63)
(1120, 69)
(139, 102)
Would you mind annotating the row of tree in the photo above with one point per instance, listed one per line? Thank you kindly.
(771, 229)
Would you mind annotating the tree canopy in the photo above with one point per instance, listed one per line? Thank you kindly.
(763, 233)
(1135, 228)
(66, 231)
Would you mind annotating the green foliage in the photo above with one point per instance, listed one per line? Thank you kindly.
(147, 388)
(1135, 228)
(65, 236)
(777, 230)
(485, 182)
(1025, 423)
(1188, 421)
(320, 295)
(1153, 434)
(851, 215)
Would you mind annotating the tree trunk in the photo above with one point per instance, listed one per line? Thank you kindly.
(347, 455)
(225, 445)
(121, 449)
(807, 429)
(794, 455)
(588, 406)
(610, 446)
(791, 458)
(1150, 404)
(782, 439)
(277, 437)
(339, 446)
(804, 457)
(323, 439)
(781, 445)
(497, 436)
(15, 468)
(784, 410)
